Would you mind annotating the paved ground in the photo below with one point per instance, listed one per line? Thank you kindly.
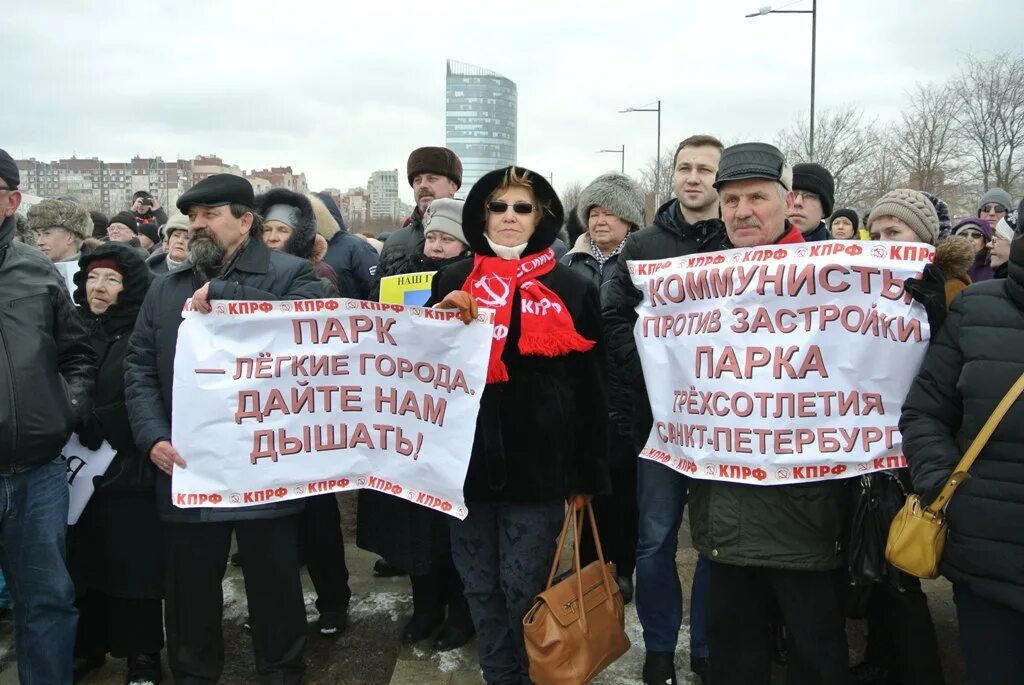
(369, 653)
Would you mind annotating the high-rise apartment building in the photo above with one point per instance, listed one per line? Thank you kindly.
(383, 190)
(109, 186)
(480, 120)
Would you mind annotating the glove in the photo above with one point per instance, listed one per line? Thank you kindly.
(930, 290)
(461, 300)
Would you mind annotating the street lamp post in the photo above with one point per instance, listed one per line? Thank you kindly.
(619, 151)
(657, 152)
(762, 11)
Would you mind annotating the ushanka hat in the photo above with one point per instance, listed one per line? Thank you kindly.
(616, 193)
(434, 160)
(60, 214)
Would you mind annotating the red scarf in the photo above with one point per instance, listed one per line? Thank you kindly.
(546, 328)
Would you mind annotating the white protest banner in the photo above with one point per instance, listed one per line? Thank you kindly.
(83, 465)
(279, 400)
(783, 363)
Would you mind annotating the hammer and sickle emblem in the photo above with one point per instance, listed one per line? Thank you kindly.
(491, 285)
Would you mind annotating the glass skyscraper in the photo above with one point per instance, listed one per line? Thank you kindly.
(480, 121)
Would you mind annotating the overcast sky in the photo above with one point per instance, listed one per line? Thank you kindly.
(339, 89)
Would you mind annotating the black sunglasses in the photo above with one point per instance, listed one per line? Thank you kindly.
(499, 207)
(993, 208)
(972, 234)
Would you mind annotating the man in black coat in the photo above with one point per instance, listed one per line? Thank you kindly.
(686, 225)
(47, 371)
(433, 172)
(353, 260)
(229, 262)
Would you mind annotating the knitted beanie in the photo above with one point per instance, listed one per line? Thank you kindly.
(912, 208)
(980, 225)
(126, 218)
(942, 210)
(850, 214)
(816, 179)
(997, 196)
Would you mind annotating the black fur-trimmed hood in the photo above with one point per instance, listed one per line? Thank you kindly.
(300, 242)
(474, 213)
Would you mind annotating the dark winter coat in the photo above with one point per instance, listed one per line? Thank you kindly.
(669, 236)
(970, 365)
(542, 434)
(47, 367)
(621, 392)
(818, 234)
(409, 536)
(116, 546)
(257, 273)
(402, 244)
(157, 217)
(157, 263)
(353, 260)
(582, 260)
(795, 527)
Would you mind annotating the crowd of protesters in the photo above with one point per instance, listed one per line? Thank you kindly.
(562, 420)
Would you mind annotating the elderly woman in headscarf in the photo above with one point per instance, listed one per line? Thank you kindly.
(290, 225)
(541, 433)
(115, 548)
(611, 208)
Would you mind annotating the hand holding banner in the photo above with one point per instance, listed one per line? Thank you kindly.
(83, 465)
(780, 363)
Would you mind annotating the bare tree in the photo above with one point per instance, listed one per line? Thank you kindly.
(990, 117)
(881, 173)
(570, 195)
(648, 176)
(843, 144)
(925, 142)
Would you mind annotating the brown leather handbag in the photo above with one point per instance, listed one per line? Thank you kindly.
(575, 628)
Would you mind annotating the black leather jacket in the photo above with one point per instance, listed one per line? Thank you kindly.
(47, 366)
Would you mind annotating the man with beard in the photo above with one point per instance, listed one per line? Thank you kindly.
(686, 225)
(433, 172)
(228, 262)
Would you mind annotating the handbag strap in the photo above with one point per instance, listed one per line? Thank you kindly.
(980, 440)
(576, 517)
(558, 550)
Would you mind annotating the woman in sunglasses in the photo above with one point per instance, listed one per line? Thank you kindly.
(541, 432)
(979, 232)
